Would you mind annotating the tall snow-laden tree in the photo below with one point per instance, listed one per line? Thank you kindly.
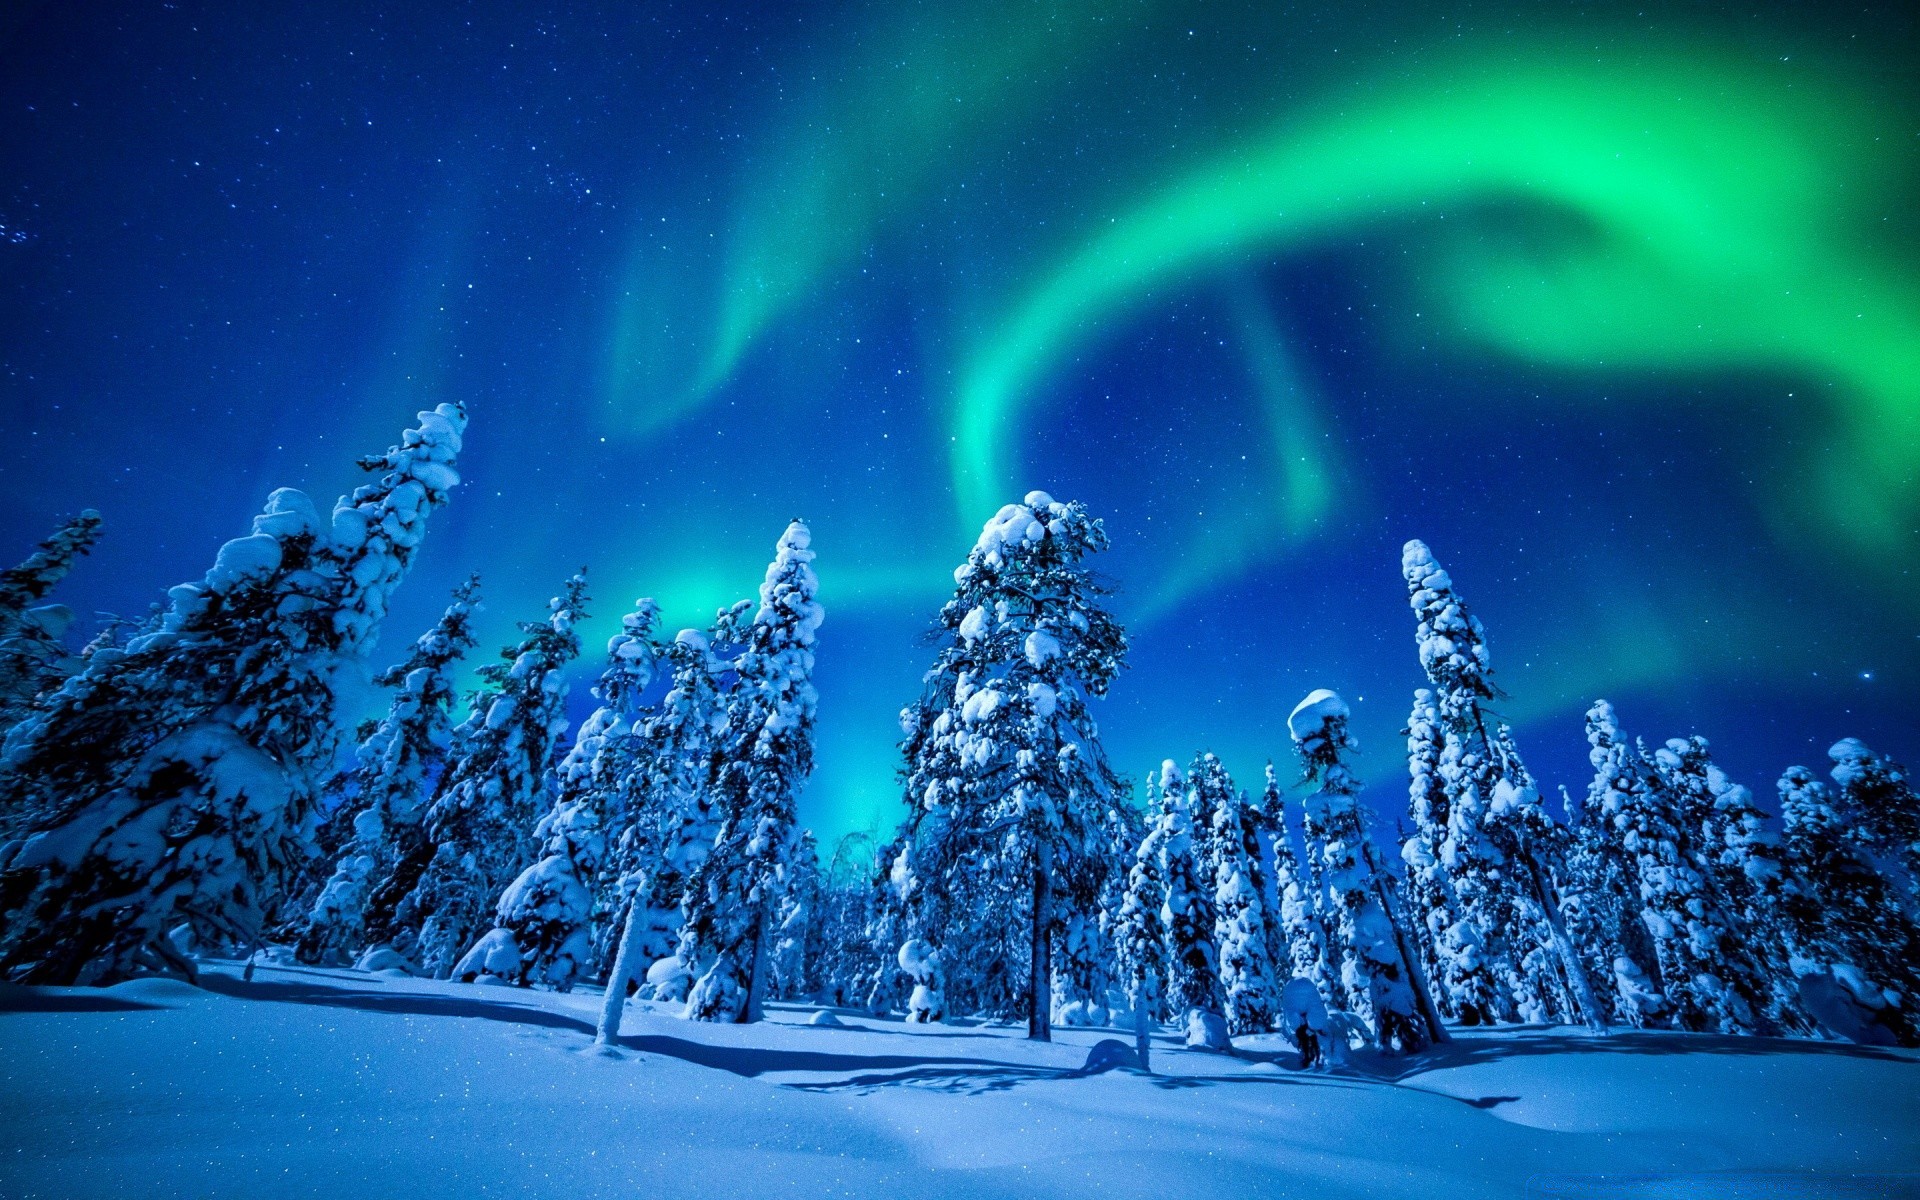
(1193, 961)
(1876, 791)
(1240, 918)
(541, 935)
(174, 779)
(732, 897)
(1689, 932)
(1726, 838)
(1466, 987)
(33, 658)
(1600, 903)
(794, 961)
(1005, 775)
(1301, 924)
(394, 772)
(1498, 839)
(493, 791)
(1849, 930)
(1375, 971)
(1140, 937)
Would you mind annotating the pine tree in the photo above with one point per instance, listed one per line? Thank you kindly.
(494, 789)
(1189, 915)
(732, 897)
(1498, 840)
(1726, 839)
(33, 659)
(394, 773)
(541, 935)
(1690, 937)
(1005, 776)
(1846, 922)
(1305, 934)
(1599, 901)
(796, 954)
(1877, 793)
(1373, 968)
(1240, 917)
(1140, 937)
(1466, 986)
(176, 779)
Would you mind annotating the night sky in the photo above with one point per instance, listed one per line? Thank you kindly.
(1619, 311)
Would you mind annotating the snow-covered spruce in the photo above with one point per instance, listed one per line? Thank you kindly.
(394, 772)
(732, 898)
(1512, 958)
(1006, 780)
(1139, 935)
(1876, 792)
(1856, 950)
(1374, 969)
(1193, 963)
(1688, 930)
(1739, 858)
(33, 657)
(1086, 973)
(1463, 985)
(173, 780)
(793, 963)
(1600, 904)
(1301, 924)
(1247, 973)
(492, 792)
(541, 930)
(672, 818)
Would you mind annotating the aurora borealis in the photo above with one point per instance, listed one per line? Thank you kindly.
(1620, 312)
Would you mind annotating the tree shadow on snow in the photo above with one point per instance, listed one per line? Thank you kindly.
(1493, 1046)
(37, 1000)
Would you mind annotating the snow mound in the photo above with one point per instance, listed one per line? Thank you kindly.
(157, 988)
(826, 1019)
(1311, 715)
(384, 960)
(1108, 1054)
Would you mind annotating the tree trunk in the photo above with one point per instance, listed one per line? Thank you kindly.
(1409, 959)
(1589, 1004)
(755, 1006)
(1040, 994)
(615, 1002)
(1142, 1001)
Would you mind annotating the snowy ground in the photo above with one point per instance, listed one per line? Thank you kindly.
(339, 1083)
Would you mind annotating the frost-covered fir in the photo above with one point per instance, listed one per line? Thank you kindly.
(1375, 971)
(1512, 958)
(1247, 974)
(1877, 793)
(541, 931)
(1464, 987)
(1689, 933)
(1139, 934)
(1739, 858)
(33, 657)
(1005, 776)
(733, 896)
(173, 780)
(493, 791)
(1193, 961)
(1856, 949)
(1600, 904)
(794, 961)
(395, 770)
(1301, 926)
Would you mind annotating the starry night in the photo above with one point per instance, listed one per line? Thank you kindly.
(971, 597)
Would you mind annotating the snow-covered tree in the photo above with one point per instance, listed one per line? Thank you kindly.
(174, 779)
(1600, 903)
(541, 934)
(1498, 841)
(732, 897)
(33, 657)
(1240, 916)
(1374, 970)
(1877, 793)
(1139, 935)
(1302, 926)
(1725, 837)
(1005, 775)
(495, 789)
(1193, 963)
(1689, 932)
(1848, 926)
(1466, 988)
(795, 957)
(394, 772)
